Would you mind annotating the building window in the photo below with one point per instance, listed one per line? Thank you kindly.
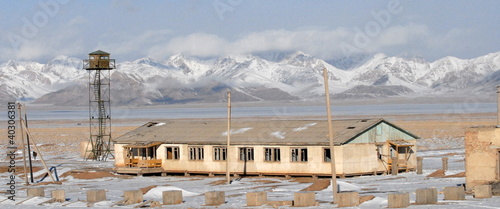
(220, 153)
(326, 155)
(299, 154)
(195, 153)
(246, 153)
(272, 154)
(173, 153)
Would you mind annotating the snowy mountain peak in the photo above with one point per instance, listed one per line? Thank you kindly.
(10, 66)
(174, 59)
(298, 54)
(379, 56)
(65, 61)
(281, 76)
(179, 61)
(300, 59)
(148, 61)
(11, 63)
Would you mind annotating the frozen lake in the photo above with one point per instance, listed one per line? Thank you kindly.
(266, 111)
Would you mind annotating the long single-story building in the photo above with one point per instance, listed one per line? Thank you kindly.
(265, 147)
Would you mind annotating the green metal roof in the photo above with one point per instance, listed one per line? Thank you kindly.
(99, 52)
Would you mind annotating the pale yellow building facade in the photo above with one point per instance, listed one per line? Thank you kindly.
(482, 157)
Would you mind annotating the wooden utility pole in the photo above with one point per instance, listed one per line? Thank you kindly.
(29, 149)
(23, 125)
(22, 144)
(228, 175)
(330, 136)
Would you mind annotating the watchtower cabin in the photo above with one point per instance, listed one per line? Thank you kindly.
(99, 60)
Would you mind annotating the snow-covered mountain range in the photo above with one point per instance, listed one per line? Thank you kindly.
(263, 77)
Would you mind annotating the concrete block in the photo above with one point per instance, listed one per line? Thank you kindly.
(256, 198)
(445, 163)
(304, 199)
(276, 204)
(420, 165)
(215, 198)
(35, 192)
(482, 191)
(399, 200)
(454, 193)
(426, 196)
(155, 204)
(347, 199)
(59, 195)
(173, 197)
(133, 196)
(86, 149)
(395, 166)
(96, 195)
(495, 188)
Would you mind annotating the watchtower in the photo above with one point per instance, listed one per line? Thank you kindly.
(99, 66)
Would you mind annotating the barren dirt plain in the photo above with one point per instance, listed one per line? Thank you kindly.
(59, 142)
(436, 131)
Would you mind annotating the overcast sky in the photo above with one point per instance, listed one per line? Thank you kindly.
(41, 30)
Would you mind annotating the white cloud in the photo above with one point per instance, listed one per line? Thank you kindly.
(134, 44)
(203, 44)
(44, 42)
(47, 46)
(318, 42)
(397, 40)
(400, 35)
(197, 44)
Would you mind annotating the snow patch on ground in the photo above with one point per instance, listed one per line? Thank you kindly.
(344, 187)
(157, 192)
